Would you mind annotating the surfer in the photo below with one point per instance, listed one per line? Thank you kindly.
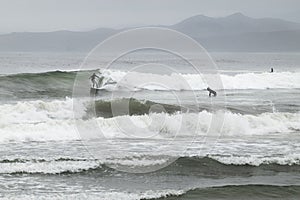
(93, 79)
(211, 92)
(272, 70)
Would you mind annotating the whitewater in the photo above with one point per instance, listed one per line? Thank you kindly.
(54, 120)
(178, 81)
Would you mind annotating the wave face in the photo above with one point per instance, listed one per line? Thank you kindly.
(54, 120)
(39, 85)
(60, 84)
(135, 107)
(229, 192)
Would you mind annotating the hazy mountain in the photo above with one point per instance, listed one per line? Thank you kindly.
(236, 32)
(202, 26)
(54, 41)
(277, 41)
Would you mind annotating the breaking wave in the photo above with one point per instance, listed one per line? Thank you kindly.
(54, 120)
(60, 84)
(194, 166)
(198, 82)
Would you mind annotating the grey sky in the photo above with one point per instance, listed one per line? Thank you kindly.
(49, 15)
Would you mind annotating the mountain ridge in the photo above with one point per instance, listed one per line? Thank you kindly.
(235, 32)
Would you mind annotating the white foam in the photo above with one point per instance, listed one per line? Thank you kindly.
(288, 159)
(103, 195)
(51, 167)
(43, 121)
(35, 111)
(175, 81)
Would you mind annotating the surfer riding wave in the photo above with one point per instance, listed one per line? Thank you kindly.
(94, 79)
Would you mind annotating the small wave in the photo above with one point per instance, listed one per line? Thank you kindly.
(214, 162)
(96, 195)
(46, 166)
(191, 166)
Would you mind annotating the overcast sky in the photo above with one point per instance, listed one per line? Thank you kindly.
(50, 15)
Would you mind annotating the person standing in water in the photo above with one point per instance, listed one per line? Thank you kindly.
(94, 78)
(211, 92)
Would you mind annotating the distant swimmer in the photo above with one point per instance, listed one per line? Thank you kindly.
(211, 92)
(272, 70)
(93, 79)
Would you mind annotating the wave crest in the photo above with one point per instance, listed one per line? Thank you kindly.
(197, 82)
(209, 166)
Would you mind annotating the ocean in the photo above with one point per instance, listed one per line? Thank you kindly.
(242, 144)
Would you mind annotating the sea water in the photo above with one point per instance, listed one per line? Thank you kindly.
(160, 148)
